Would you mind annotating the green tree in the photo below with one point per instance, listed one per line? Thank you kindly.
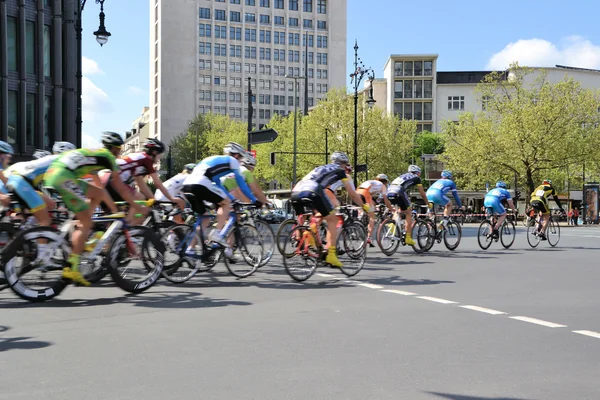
(530, 128)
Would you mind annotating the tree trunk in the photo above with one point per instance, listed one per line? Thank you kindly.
(530, 183)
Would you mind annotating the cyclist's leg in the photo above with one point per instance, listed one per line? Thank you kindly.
(403, 201)
(322, 204)
(29, 197)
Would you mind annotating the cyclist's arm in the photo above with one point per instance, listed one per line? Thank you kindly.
(557, 201)
(243, 186)
(422, 192)
(352, 192)
(456, 198)
(143, 186)
(511, 204)
(122, 189)
(159, 185)
(258, 192)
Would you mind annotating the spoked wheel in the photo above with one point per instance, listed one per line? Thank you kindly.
(484, 234)
(7, 233)
(301, 253)
(508, 233)
(388, 237)
(352, 249)
(532, 236)
(143, 262)
(421, 236)
(284, 232)
(553, 233)
(247, 250)
(452, 235)
(32, 271)
(268, 241)
(178, 268)
(432, 234)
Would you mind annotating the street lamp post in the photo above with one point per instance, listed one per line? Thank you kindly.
(356, 78)
(295, 78)
(250, 111)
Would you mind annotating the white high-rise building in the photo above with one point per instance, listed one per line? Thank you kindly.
(202, 53)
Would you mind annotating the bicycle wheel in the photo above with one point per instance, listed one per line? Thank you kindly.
(178, 268)
(143, 262)
(431, 232)
(420, 232)
(484, 234)
(532, 236)
(268, 240)
(303, 253)
(247, 250)
(351, 249)
(452, 235)
(283, 233)
(553, 233)
(7, 234)
(32, 273)
(508, 233)
(388, 237)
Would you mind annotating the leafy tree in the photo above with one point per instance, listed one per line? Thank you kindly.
(530, 127)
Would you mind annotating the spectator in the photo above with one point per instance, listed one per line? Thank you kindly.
(570, 215)
(575, 216)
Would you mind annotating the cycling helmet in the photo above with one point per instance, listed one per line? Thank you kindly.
(446, 174)
(189, 167)
(234, 148)
(154, 145)
(61, 147)
(41, 154)
(339, 157)
(382, 177)
(414, 169)
(501, 184)
(249, 161)
(112, 139)
(6, 148)
(547, 182)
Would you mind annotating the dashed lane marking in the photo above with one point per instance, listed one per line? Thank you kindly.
(326, 275)
(538, 322)
(483, 310)
(589, 333)
(436, 299)
(370, 286)
(402, 292)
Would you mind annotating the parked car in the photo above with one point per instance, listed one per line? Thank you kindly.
(276, 216)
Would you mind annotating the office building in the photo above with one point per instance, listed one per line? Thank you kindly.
(202, 53)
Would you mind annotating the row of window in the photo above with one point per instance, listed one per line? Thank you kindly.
(220, 32)
(16, 132)
(307, 5)
(31, 61)
(236, 97)
(413, 68)
(420, 111)
(418, 89)
(236, 112)
(250, 68)
(220, 50)
(456, 103)
(236, 16)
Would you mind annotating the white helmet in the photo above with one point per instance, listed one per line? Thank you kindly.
(382, 177)
(414, 169)
(61, 147)
(41, 154)
(234, 148)
(249, 161)
(339, 157)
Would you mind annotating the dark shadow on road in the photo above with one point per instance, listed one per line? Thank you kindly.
(399, 281)
(19, 343)
(465, 254)
(549, 249)
(451, 396)
(580, 248)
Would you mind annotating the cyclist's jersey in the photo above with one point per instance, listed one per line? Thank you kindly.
(323, 176)
(336, 185)
(82, 162)
(444, 186)
(499, 193)
(173, 186)
(135, 164)
(214, 168)
(374, 187)
(542, 193)
(405, 182)
(230, 183)
(32, 171)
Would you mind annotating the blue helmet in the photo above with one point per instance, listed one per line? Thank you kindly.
(446, 174)
(501, 184)
(6, 148)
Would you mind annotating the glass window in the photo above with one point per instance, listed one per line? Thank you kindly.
(30, 47)
(265, 3)
(398, 85)
(13, 116)
(427, 127)
(322, 6)
(418, 68)
(398, 68)
(408, 89)
(204, 13)
(47, 103)
(293, 5)
(398, 109)
(30, 120)
(428, 68)
(279, 20)
(278, 4)
(293, 21)
(418, 112)
(456, 103)
(250, 3)
(12, 43)
(220, 15)
(428, 92)
(250, 17)
(234, 16)
(418, 89)
(427, 111)
(265, 19)
(408, 68)
(47, 51)
(307, 23)
(322, 24)
(234, 1)
(307, 5)
(408, 110)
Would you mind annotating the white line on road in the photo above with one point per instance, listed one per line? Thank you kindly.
(402, 292)
(370, 286)
(326, 275)
(484, 310)
(539, 322)
(437, 300)
(589, 333)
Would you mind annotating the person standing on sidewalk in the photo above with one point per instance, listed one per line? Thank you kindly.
(575, 216)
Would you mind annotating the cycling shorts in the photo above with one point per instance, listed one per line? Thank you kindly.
(494, 203)
(25, 193)
(366, 197)
(198, 194)
(399, 198)
(306, 199)
(541, 206)
(72, 189)
(436, 196)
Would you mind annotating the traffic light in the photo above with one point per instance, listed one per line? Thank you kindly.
(273, 158)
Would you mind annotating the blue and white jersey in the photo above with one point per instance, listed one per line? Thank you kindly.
(444, 186)
(499, 193)
(33, 171)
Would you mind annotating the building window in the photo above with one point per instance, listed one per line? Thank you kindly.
(484, 102)
(322, 24)
(278, 4)
(204, 30)
(250, 35)
(47, 56)
(235, 33)
(418, 68)
(265, 19)
(30, 120)
(398, 68)
(279, 21)
(456, 103)
(204, 13)
(398, 109)
(427, 111)
(311, 40)
(427, 89)
(234, 1)
(13, 116)
(408, 68)
(408, 89)
(307, 5)
(221, 50)
(250, 3)
(30, 47)
(428, 68)
(398, 85)
(204, 48)
(418, 111)
(322, 6)
(294, 39)
(265, 36)
(234, 16)
(12, 43)
(220, 15)
(265, 3)
(46, 127)
(250, 17)
(293, 5)
(418, 90)
(307, 23)
(293, 21)
(408, 110)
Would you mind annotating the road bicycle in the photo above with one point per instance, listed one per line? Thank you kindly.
(392, 233)
(552, 232)
(506, 233)
(450, 233)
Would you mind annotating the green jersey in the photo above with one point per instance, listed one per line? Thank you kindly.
(82, 162)
(229, 182)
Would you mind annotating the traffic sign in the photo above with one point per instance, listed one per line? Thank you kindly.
(263, 136)
(361, 168)
(253, 152)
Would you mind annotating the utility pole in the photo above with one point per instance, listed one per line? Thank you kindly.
(250, 111)
(306, 74)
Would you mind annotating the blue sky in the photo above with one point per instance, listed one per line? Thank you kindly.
(467, 35)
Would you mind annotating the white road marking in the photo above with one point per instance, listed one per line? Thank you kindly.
(539, 322)
(370, 286)
(437, 300)
(589, 333)
(352, 282)
(326, 275)
(403, 293)
(483, 310)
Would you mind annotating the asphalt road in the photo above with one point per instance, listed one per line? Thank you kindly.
(520, 324)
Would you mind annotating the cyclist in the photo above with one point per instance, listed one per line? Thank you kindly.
(248, 163)
(539, 202)
(493, 201)
(398, 195)
(81, 197)
(311, 189)
(368, 189)
(205, 184)
(436, 194)
(174, 186)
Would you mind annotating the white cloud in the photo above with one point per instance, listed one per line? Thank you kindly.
(94, 100)
(136, 90)
(89, 141)
(90, 67)
(574, 51)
